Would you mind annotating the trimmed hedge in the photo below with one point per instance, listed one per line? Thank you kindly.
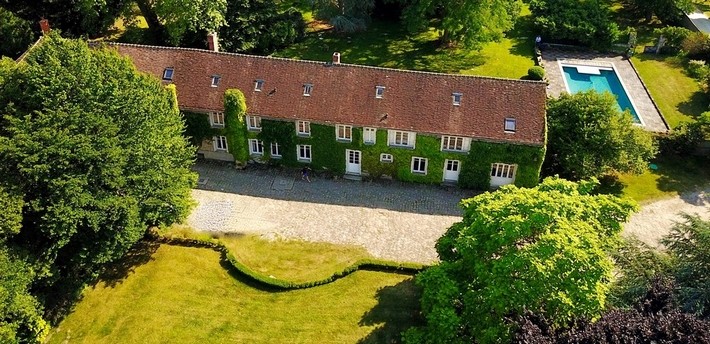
(227, 257)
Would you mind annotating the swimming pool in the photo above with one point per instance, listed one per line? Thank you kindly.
(601, 79)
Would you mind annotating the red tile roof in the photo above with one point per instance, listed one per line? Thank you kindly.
(345, 93)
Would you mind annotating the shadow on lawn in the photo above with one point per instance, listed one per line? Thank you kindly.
(141, 253)
(695, 105)
(397, 309)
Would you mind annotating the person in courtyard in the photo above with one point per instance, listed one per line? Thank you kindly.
(305, 172)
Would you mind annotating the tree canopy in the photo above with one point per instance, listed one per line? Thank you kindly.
(73, 17)
(15, 33)
(588, 137)
(588, 22)
(541, 250)
(95, 150)
(468, 22)
(667, 11)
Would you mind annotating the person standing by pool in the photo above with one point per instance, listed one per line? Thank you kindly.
(304, 173)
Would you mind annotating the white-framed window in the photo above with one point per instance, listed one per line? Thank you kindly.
(456, 98)
(379, 92)
(168, 73)
(455, 143)
(419, 165)
(215, 80)
(401, 138)
(254, 122)
(502, 170)
(304, 153)
(217, 119)
(384, 157)
(369, 136)
(256, 147)
(307, 88)
(275, 150)
(303, 128)
(258, 85)
(344, 132)
(220, 143)
(510, 125)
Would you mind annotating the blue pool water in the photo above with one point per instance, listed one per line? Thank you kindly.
(608, 81)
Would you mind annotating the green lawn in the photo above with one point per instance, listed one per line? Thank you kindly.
(183, 295)
(678, 96)
(388, 44)
(674, 176)
(296, 261)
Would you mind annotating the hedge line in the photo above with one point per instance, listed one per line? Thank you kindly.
(227, 257)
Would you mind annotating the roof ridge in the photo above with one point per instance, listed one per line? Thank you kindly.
(292, 60)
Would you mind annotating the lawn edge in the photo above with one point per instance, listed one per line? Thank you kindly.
(266, 282)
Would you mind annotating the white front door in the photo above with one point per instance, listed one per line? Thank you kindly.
(353, 161)
(451, 170)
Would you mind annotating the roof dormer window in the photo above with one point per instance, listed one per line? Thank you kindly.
(215, 80)
(168, 74)
(510, 125)
(258, 85)
(456, 98)
(379, 92)
(307, 88)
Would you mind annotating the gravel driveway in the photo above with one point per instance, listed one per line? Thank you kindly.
(656, 219)
(392, 220)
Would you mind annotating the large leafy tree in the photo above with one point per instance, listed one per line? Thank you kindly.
(587, 22)
(95, 149)
(172, 20)
(16, 34)
(257, 26)
(666, 11)
(73, 17)
(588, 137)
(517, 250)
(466, 22)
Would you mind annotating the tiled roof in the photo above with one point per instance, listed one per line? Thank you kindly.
(345, 93)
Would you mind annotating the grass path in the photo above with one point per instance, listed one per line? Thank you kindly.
(182, 295)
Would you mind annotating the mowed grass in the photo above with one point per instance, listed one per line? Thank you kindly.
(183, 295)
(678, 96)
(674, 176)
(296, 261)
(389, 44)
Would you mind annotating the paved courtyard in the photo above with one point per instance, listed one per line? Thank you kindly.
(641, 98)
(392, 220)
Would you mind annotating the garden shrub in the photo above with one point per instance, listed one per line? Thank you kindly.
(589, 22)
(235, 128)
(536, 73)
(697, 69)
(674, 36)
(696, 46)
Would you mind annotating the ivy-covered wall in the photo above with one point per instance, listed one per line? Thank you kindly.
(235, 128)
(329, 154)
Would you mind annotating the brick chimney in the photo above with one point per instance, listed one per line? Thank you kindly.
(336, 58)
(44, 25)
(212, 41)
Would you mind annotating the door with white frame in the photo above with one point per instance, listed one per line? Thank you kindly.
(502, 174)
(451, 170)
(353, 161)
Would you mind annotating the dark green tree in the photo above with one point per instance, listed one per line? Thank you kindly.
(172, 20)
(16, 34)
(467, 22)
(588, 137)
(518, 250)
(667, 11)
(73, 17)
(689, 246)
(95, 149)
(257, 26)
(587, 22)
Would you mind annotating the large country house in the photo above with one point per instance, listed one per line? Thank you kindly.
(356, 120)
